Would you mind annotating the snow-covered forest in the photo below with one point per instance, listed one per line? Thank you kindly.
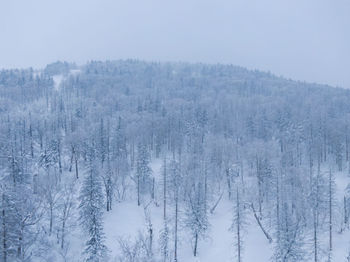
(133, 161)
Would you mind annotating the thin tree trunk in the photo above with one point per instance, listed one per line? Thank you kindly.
(4, 236)
(164, 190)
(315, 238)
(76, 166)
(71, 160)
(152, 191)
(216, 204)
(107, 200)
(59, 159)
(346, 218)
(63, 232)
(151, 239)
(175, 241)
(269, 238)
(195, 245)
(330, 213)
(238, 227)
(228, 182)
(138, 190)
(51, 219)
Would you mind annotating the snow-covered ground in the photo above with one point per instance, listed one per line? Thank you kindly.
(58, 79)
(126, 220)
(341, 245)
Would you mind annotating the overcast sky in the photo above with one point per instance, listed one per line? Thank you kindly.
(300, 39)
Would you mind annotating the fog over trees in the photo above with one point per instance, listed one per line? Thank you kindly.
(78, 143)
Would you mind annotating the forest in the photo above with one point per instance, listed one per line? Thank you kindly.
(91, 153)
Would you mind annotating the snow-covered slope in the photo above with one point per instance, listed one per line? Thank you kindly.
(127, 221)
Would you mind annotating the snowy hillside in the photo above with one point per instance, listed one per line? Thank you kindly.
(130, 161)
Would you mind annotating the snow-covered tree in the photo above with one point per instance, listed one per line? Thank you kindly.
(91, 211)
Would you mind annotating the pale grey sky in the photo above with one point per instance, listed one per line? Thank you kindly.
(300, 39)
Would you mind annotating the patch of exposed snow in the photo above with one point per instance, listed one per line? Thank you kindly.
(74, 72)
(57, 80)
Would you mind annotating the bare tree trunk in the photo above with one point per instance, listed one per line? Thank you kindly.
(59, 159)
(228, 183)
(315, 213)
(195, 245)
(346, 218)
(51, 219)
(269, 238)
(315, 238)
(71, 159)
(63, 232)
(258, 174)
(176, 218)
(238, 227)
(4, 232)
(20, 243)
(138, 190)
(346, 145)
(330, 213)
(31, 141)
(150, 230)
(152, 191)
(216, 204)
(76, 165)
(278, 207)
(107, 199)
(164, 190)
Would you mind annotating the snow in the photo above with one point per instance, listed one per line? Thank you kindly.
(341, 246)
(57, 80)
(75, 72)
(341, 240)
(341, 181)
(126, 220)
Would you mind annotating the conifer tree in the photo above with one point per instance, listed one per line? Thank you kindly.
(91, 211)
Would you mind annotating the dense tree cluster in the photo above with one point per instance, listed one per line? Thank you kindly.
(272, 146)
